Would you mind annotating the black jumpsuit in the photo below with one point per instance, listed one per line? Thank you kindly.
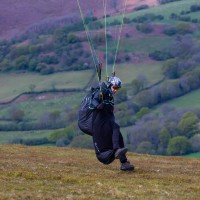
(106, 132)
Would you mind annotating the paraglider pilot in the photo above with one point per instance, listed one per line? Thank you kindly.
(107, 138)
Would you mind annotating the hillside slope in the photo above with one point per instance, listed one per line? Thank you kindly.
(17, 15)
(64, 173)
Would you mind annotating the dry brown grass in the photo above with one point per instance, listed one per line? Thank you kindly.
(66, 173)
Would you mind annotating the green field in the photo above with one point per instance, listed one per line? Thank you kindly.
(33, 109)
(165, 10)
(193, 155)
(19, 83)
(13, 84)
(6, 137)
(191, 99)
(142, 43)
(152, 71)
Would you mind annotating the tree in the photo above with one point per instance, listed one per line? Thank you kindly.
(141, 7)
(188, 124)
(136, 86)
(34, 50)
(195, 8)
(52, 120)
(121, 110)
(143, 80)
(160, 55)
(139, 83)
(99, 38)
(166, 108)
(143, 111)
(148, 98)
(170, 69)
(184, 28)
(145, 28)
(141, 98)
(183, 47)
(146, 147)
(121, 95)
(179, 146)
(72, 116)
(192, 79)
(170, 30)
(22, 62)
(5, 65)
(60, 36)
(17, 115)
(50, 59)
(72, 38)
(54, 116)
(195, 141)
(164, 137)
(166, 1)
(82, 141)
(19, 51)
(32, 64)
(184, 84)
(170, 89)
(66, 133)
(32, 87)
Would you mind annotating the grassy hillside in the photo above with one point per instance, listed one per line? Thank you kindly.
(6, 137)
(24, 13)
(167, 9)
(152, 71)
(64, 173)
(190, 100)
(19, 83)
(143, 43)
(43, 103)
(34, 108)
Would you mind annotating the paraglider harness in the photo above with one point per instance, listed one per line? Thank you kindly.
(85, 115)
(86, 110)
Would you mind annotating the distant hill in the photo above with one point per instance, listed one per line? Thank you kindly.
(17, 15)
(66, 173)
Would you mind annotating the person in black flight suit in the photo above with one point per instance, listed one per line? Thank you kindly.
(107, 138)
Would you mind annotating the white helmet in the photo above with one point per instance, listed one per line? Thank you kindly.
(114, 81)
